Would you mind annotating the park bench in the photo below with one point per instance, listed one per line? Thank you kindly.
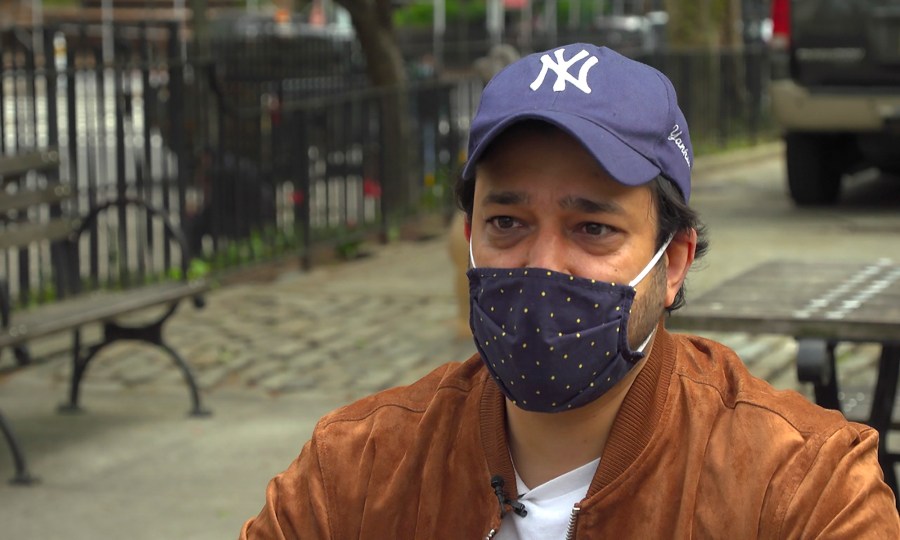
(820, 304)
(36, 224)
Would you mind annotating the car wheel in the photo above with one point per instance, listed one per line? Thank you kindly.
(813, 170)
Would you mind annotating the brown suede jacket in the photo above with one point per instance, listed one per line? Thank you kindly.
(700, 449)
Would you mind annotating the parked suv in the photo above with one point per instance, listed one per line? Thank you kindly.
(839, 103)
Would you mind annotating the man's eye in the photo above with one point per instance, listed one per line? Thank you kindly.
(502, 222)
(596, 229)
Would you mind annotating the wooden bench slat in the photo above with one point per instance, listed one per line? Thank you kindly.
(21, 234)
(24, 199)
(15, 166)
(91, 308)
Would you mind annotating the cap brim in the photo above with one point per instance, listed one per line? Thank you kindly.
(623, 163)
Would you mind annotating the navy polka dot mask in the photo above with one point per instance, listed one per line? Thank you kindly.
(552, 341)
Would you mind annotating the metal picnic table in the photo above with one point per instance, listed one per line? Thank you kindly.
(820, 304)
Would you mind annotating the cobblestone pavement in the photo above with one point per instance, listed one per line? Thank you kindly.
(353, 328)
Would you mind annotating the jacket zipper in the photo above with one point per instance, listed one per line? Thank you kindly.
(570, 530)
(573, 520)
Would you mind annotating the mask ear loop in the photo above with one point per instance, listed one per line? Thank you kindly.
(471, 258)
(647, 268)
(641, 276)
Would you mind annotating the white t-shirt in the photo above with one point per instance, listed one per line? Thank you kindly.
(549, 505)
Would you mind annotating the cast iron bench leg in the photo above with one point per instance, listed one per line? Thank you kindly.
(152, 334)
(22, 476)
(883, 408)
(816, 364)
(196, 407)
(79, 366)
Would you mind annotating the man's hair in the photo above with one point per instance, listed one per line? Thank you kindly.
(673, 214)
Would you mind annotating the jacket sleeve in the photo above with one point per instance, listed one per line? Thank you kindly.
(843, 494)
(295, 503)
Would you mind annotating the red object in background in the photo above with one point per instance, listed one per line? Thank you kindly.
(781, 23)
(298, 197)
(274, 106)
(317, 14)
(371, 188)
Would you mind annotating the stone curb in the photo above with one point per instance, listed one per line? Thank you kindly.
(712, 162)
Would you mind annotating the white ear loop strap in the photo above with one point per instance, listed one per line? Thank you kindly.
(471, 258)
(651, 264)
(646, 341)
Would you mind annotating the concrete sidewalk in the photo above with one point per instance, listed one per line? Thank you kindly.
(272, 356)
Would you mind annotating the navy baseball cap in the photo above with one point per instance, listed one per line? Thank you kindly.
(625, 113)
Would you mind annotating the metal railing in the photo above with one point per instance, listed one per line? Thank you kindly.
(263, 150)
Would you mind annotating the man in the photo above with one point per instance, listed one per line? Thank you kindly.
(581, 416)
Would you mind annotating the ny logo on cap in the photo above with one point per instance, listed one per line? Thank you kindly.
(561, 68)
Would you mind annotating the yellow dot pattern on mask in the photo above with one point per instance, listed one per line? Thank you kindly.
(560, 332)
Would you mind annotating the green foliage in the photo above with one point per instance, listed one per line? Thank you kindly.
(437, 192)
(696, 23)
(198, 269)
(421, 13)
(348, 248)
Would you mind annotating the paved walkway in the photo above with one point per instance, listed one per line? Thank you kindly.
(352, 329)
(272, 356)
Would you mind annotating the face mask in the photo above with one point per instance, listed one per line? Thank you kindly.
(552, 341)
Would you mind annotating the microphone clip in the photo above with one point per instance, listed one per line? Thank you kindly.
(518, 508)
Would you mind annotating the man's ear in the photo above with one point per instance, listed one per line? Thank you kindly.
(679, 257)
(468, 228)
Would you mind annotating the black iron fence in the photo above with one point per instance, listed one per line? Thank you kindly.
(265, 149)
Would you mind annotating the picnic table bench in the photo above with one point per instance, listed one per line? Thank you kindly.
(37, 223)
(820, 304)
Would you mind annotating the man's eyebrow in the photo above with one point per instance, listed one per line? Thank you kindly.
(505, 198)
(589, 206)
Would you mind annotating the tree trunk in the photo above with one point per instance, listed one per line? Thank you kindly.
(385, 70)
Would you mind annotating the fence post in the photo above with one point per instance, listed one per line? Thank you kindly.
(302, 186)
(177, 126)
